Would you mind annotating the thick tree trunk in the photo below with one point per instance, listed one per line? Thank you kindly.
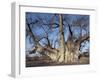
(69, 51)
(73, 48)
(61, 53)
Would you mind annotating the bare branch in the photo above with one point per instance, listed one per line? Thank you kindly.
(82, 38)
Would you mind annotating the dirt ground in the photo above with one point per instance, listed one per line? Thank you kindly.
(44, 61)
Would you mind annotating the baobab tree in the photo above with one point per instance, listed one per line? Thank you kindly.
(71, 32)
